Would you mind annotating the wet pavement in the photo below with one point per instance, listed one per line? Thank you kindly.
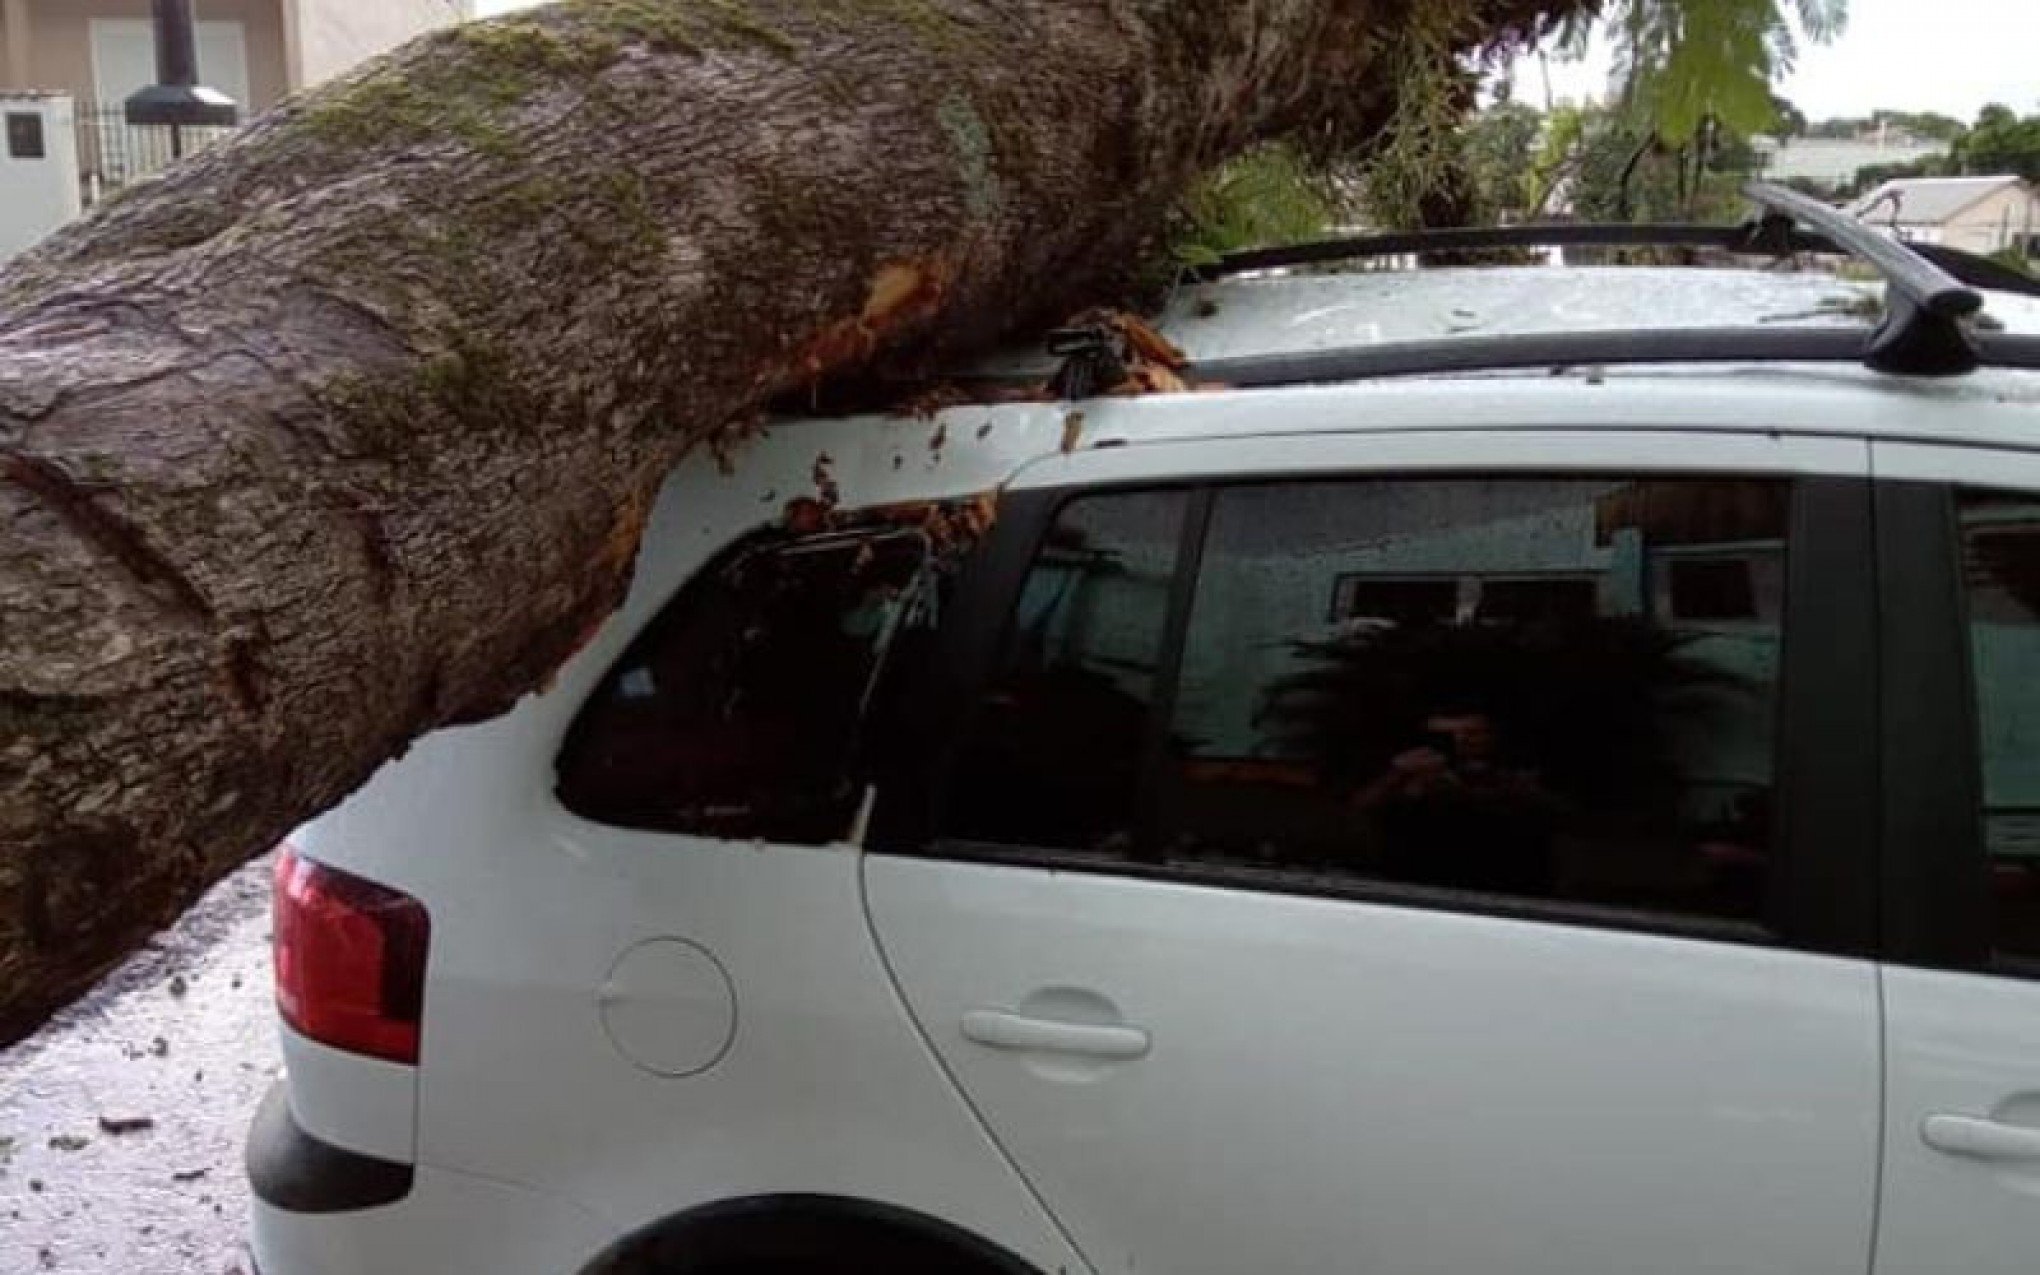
(121, 1120)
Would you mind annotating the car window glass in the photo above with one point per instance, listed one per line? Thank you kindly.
(737, 713)
(1052, 755)
(1549, 689)
(2001, 570)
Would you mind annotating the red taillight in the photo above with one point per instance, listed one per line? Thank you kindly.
(350, 960)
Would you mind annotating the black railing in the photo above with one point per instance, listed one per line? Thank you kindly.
(113, 152)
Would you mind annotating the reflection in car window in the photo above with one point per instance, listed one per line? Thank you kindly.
(2001, 567)
(1542, 688)
(1053, 754)
(1549, 689)
(738, 711)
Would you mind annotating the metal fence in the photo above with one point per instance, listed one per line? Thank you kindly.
(113, 152)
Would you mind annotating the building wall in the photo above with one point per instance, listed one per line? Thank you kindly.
(2006, 219)
(328, 37)
(1833, 161)
(14, 50)
(46, 45)
(58, 47)
(38, 192)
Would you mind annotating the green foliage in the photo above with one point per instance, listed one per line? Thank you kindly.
(1416, 172)
(1502, 146)
(1872, 176)
(1609, 168)
(1998, 145)
(2001, 144)
(1929, 125)
(1787, 120)
(1811, 187)
(1698, 76)
(1266, 196)
(1686, 62)
(2013, 259)
(1564, 136)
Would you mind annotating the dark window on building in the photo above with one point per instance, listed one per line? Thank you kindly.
(1534, 601)
(1497, 704)
(25, 136)
(1052, 755)
(738, 712)
(2001, 567)
(1712, 589)
(1397, 601)
(1722, 586)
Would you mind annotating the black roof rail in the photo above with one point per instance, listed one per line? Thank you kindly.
(1559, 351)
(1922, 333)
(1774, 237)
(1750, 237)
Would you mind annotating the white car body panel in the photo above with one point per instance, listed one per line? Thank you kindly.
(1454, 451)
(1343, 1086)
(1967, 1047)
(1958, 1045)
(361, 1104)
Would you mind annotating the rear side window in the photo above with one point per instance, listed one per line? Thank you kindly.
(738, 712)
(2001, 572)
(1551, 690)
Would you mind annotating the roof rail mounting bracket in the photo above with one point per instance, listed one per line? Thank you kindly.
(1912, 343)
(1922, 333)
(1772, 235)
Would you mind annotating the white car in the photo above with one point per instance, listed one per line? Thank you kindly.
(1539, 774)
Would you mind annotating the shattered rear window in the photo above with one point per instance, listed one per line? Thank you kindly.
(737, 713)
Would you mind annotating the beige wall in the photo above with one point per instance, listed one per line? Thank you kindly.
(14, 50)
(1993, 224)
(327, 37)
(57, 53)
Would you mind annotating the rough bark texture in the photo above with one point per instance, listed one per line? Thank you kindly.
(346, 429)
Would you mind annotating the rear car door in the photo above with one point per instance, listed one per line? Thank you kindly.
(1442, 852)
(1959, 534)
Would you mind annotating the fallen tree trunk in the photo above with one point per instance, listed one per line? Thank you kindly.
(346, 429)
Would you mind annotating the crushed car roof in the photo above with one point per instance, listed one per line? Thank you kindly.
(1292, 312)
(1285, 313)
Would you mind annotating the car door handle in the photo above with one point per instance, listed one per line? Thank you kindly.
(1981, 1139)
(1000, 1029)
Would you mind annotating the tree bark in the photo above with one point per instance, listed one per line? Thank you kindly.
(347, 428)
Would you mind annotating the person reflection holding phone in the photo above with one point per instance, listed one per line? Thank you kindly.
(1454, 812)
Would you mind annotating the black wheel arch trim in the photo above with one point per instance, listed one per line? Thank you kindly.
(291, 1170)
(726, 1234)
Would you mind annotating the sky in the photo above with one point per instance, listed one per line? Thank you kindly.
(1951, 56)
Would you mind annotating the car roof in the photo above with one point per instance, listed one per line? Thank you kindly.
(986, 441)
(1285, 312)
(1289, 313)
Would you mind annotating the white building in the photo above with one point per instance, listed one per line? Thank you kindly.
(1834, 162)
(98, 52)
(1976, 214)
(257, 51)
